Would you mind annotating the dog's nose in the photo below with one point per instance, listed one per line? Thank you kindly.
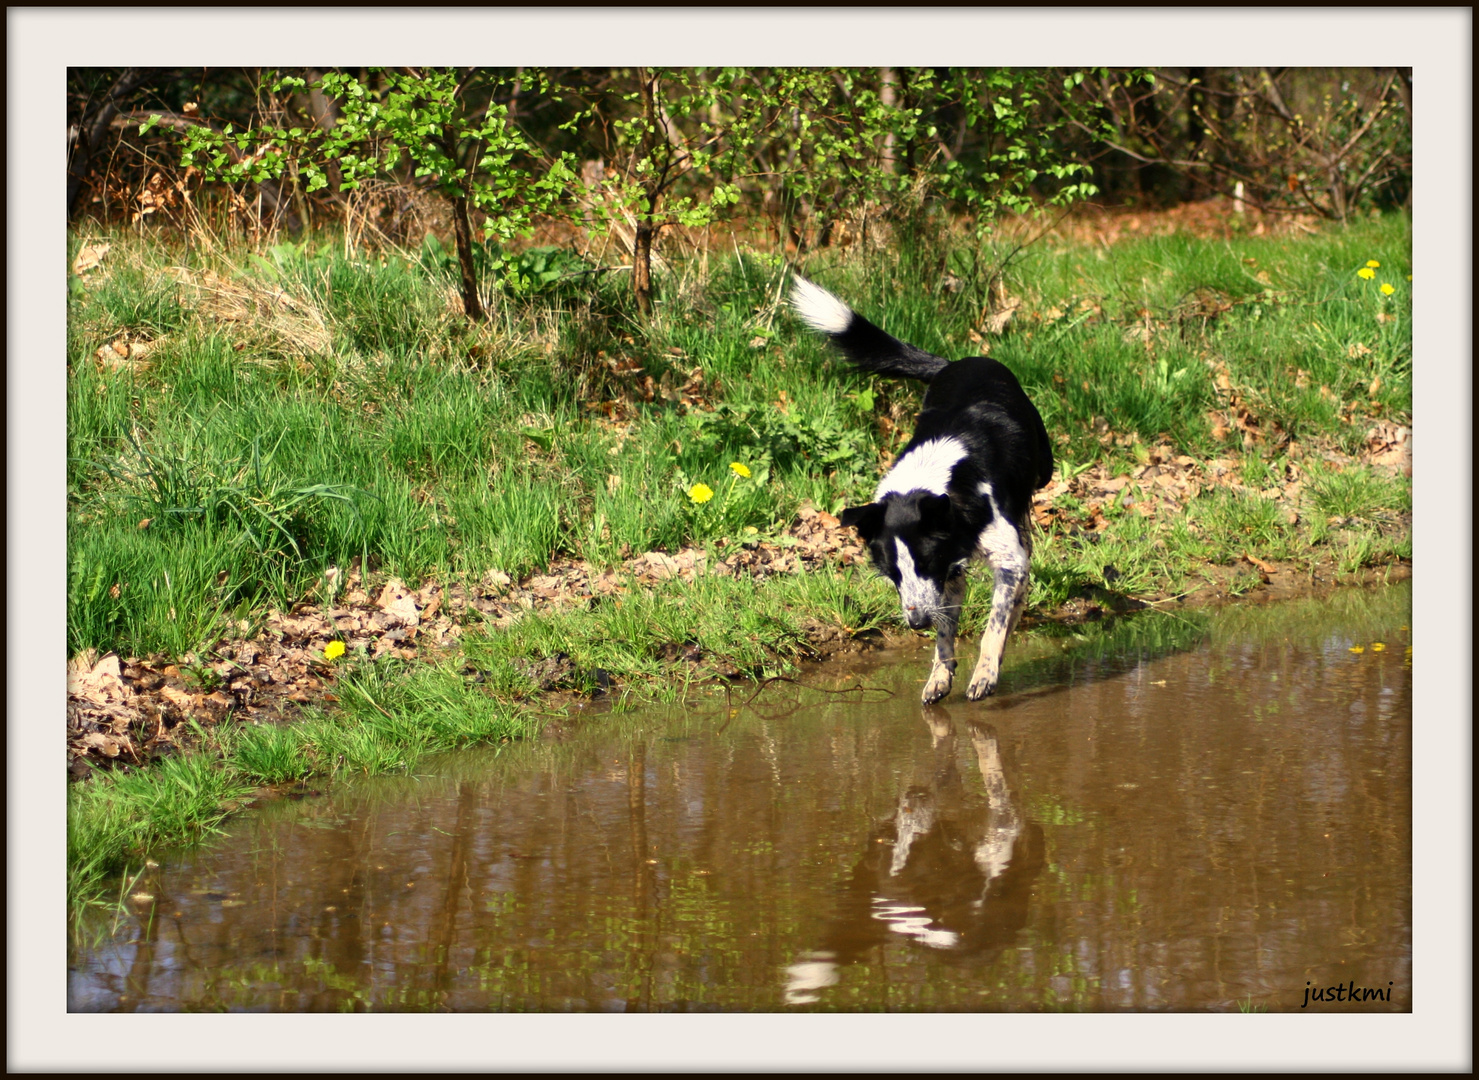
(916, 619)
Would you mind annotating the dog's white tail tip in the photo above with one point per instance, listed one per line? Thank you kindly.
(818, 308)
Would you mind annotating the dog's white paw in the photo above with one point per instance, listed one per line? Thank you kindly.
(983, 682)
(938, 685)
(980, 688)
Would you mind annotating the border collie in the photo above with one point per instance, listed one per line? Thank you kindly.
(961, 489)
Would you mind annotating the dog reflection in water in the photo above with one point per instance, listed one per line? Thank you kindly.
(944, 872)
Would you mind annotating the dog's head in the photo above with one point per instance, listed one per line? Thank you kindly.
(913, 541)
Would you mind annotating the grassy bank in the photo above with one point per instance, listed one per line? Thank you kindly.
(244, 425)
(388, 716)
(289, 411)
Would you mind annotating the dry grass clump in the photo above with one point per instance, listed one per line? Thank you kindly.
(284, 323)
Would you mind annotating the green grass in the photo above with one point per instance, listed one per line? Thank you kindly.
(437, 448)
(1286, 317)
(759, 631)
(1360, 493)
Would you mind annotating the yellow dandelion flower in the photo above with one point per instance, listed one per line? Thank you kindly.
(700, 493)
(333, 650)
(1387, 290)
(1378, 646)
(1373, 264)
(1358, 649)
(740, 470)
(1366, 273)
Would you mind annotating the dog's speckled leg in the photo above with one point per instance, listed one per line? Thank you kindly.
(1008, 598)
(942, 670)
(942, 675)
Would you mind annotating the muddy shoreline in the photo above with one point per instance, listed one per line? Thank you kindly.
(123, 713)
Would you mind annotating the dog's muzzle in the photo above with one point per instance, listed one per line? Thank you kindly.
(917, 617)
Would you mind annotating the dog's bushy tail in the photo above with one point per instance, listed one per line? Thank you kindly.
(860, 341)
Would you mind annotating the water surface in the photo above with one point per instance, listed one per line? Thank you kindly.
(1180, 812)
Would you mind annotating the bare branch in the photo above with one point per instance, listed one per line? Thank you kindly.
(90, 135)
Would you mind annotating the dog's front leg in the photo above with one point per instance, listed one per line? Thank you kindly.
(1008, 598)
(942, 670)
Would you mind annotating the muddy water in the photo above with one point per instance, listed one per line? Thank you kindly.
(1171, 813)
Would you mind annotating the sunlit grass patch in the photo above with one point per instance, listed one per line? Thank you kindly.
(1234, 522)
(121, 815)
(270, 754)
(1358, 492)
(634, 636)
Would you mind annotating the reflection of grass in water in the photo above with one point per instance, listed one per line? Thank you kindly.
(1046, 810)
(1102, 649)
(1057, 656)
(604, 742)
(1356, 612)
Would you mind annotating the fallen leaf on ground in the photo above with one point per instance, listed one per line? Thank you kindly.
(103, 682)
(397, 602)
(89, 257)
(1267, 568)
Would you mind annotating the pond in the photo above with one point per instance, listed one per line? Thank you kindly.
(1173, 811)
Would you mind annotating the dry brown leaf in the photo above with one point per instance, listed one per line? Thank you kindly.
(180, 699)
(397, 602)
(1267, 568)
(102, 682)
(105, 744)
(89, 257)
(995, 321)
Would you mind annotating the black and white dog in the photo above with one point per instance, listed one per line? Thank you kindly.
(961, 489)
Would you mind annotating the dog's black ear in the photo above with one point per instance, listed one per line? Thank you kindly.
(935, 514)
(867, 519)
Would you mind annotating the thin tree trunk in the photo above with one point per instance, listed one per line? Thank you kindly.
(462, 226)
(647, 215)
(888, 86)
(462, 229)
(642, 265)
